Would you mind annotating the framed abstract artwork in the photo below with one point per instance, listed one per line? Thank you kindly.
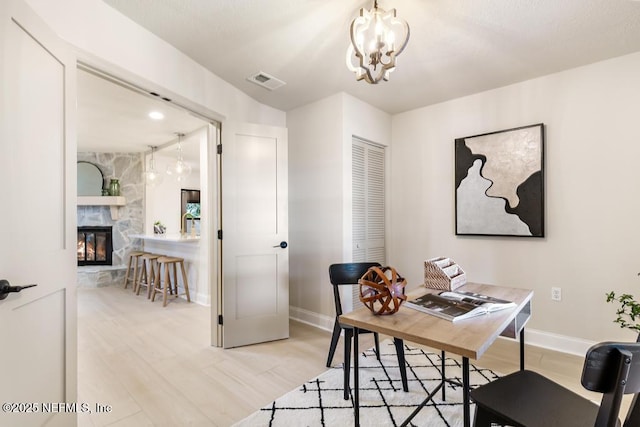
(500, 183)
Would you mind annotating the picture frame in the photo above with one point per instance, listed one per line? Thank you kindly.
(499, 183)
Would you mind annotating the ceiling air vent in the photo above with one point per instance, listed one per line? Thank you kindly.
(266, 81)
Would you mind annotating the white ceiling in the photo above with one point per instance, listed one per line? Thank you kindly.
(457, 47)
(114, 119)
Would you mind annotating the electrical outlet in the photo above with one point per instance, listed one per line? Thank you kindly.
(556, 294)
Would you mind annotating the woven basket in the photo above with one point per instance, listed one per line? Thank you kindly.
(444, 274)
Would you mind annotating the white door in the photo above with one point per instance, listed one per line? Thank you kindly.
(37, 221)
(255, 256)
(368, 206)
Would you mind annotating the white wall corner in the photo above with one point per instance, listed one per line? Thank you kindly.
(203, 299)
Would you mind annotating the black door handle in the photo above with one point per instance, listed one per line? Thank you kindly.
(282, 245)
(6, 288)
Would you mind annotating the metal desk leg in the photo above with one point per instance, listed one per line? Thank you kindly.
(402, 365)
(465, 392)
(356, 379)
(442, 361)
(522, 349)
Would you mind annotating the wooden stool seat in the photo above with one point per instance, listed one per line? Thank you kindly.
(165, 286)
(134, 257)
(147, 275)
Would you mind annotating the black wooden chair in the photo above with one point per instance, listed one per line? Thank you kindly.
(348, 274)
(525, 398)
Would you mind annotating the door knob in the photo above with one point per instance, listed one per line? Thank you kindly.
(282, 245)
(6, 288)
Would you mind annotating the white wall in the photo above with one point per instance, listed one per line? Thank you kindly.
(320, 136)
(315, 203)
(112, 42)
(592, 198)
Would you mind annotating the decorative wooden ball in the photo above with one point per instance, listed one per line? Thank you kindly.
(382, 290)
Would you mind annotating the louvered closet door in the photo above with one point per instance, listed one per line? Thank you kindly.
(368, 205)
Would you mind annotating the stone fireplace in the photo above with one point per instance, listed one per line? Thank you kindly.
(95, 245)
(97, 271)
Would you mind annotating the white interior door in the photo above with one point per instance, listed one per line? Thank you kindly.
(37, 220)
(368, 202)
(255, 267)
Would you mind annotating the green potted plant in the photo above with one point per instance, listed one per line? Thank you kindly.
(159, 228)
(628, 313)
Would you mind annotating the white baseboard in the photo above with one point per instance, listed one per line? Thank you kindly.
(198, 298)
(310, 318)
(203, 299)
(560, 343)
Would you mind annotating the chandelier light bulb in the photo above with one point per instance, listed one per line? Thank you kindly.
(379, 26)
(151, 176)
(180, 169)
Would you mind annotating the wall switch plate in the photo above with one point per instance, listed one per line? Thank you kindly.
(556, 294)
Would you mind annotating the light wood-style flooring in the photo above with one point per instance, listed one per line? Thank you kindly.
(154, 366)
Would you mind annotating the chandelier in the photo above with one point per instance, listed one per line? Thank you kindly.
(377, 38)
(151, 175)
(180, 169)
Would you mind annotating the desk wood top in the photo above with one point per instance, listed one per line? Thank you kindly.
(468, 338)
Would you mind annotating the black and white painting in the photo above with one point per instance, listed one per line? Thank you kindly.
(500, 183)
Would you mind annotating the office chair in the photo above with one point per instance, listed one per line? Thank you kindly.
(525, 398)
(348, 274)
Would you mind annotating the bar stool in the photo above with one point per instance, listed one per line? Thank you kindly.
(134, 257)
(165, 286)
(147, 274)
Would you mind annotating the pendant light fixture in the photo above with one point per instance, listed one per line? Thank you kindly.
(377, 38)
(151, 175)
(180, 170)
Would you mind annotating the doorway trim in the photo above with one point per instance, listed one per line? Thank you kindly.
(211, 177)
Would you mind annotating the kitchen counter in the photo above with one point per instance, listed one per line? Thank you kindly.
(173, 238)
(188, 248)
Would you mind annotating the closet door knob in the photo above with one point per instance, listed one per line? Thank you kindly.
(282, 245)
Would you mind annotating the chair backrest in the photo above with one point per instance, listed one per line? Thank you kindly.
(612, 368)
(346, 274)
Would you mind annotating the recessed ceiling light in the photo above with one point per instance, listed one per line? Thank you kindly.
(156, 115)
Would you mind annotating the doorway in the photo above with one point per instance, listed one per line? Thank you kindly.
(115, 131)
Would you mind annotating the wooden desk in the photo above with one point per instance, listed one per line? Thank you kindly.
(468, 338)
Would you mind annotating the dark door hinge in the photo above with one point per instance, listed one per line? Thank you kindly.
(219, 319)
(219, 234)
(219, 148)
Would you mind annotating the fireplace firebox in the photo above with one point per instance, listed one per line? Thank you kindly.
(95, 246)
